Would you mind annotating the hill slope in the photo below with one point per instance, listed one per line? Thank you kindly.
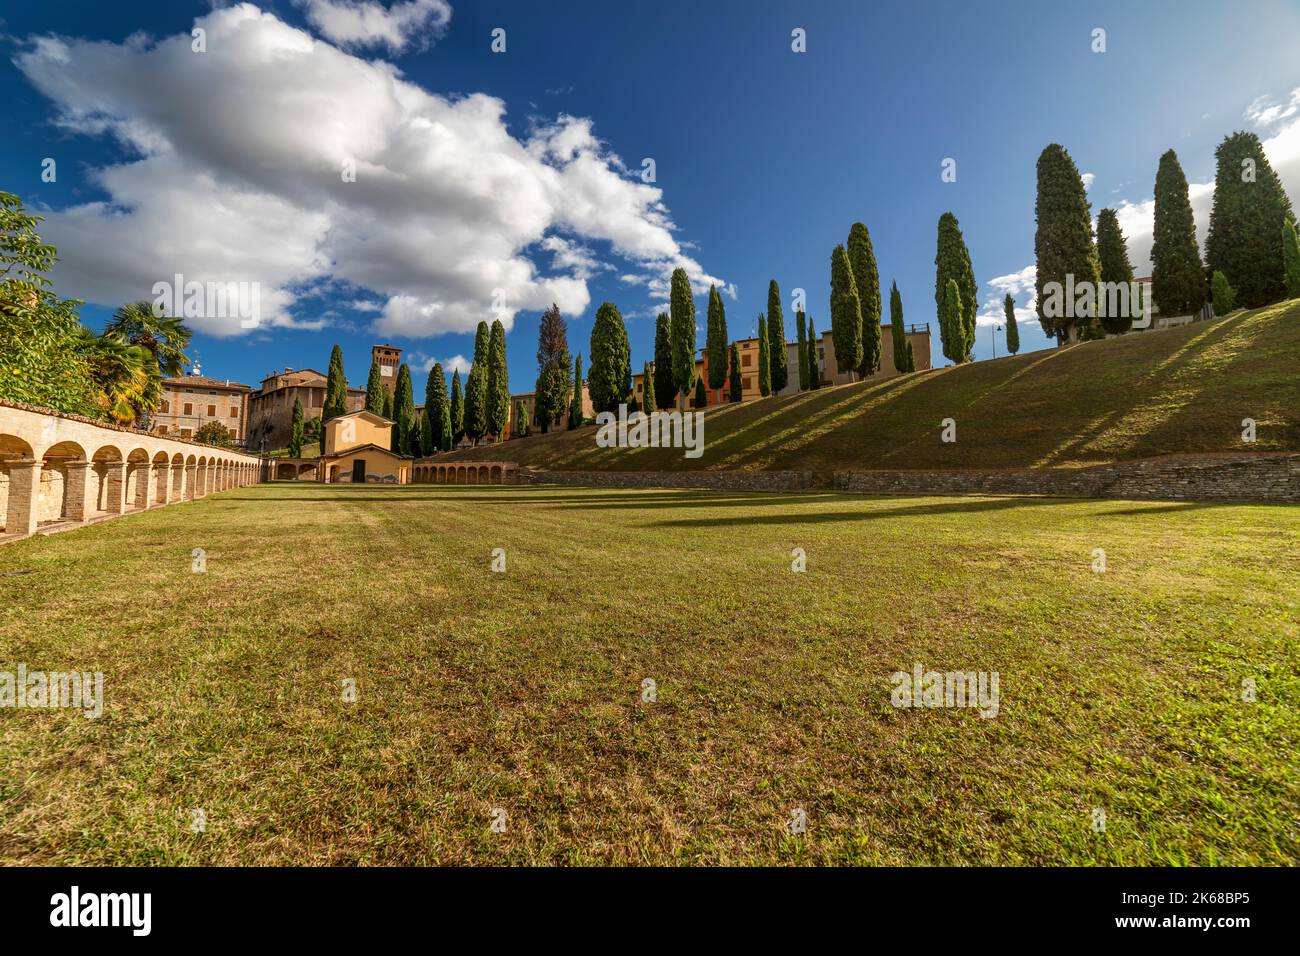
(1178, 390)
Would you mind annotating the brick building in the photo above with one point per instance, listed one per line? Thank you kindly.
(270, 408)
(191, 401)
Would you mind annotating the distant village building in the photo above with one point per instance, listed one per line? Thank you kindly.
(389, 360)
(270, 408)
(191, 401)
(529, 401)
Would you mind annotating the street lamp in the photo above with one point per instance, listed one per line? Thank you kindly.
(994, 336)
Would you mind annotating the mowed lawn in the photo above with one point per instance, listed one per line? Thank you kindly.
(522, 690)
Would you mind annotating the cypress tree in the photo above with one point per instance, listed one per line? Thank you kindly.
(862, 259)
(476, 387)
(611, 360)
(801, 330)
(1250, 209)
(776, 350)
(735, 384)
(576, 410)
(846, 313)
(764, 366)
(336, 389)
(374, 386)
(701, 396)
(682, 331)
(716, 341)
(1222, 293)
(386, 401)
(403, 412)
(414, 441)
(1063, 244)
(436, 413)
(446, 427)
(552, 390)
(1112, 255)
(521, 418)
(295, 431)
(648, 390)
(952, 261)
(457, 410)
(814, 365)
(897, 333)
(1013, 332)
(498, 408)
(665, 390)
(1291, 258)
(950, 316)
(1177, 276)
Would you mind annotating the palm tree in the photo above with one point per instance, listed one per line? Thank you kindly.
(126, 376)
(165, 336)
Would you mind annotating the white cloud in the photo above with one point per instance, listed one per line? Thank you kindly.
(457, 363)
(236, 174)
(361, 23)
(1265, 111)
(1088, 180)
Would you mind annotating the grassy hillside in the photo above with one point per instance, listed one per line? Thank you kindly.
(1152, 393)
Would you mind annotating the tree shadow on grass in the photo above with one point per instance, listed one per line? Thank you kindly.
(956, 506)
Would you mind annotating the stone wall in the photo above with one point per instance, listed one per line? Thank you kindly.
(1225, 477)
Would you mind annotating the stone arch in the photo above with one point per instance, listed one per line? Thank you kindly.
(19, 484)
(137, 479)
(108, 477)
(483, 475)
(496, 474)
(162, 474)
(285, 471)
(63, 483)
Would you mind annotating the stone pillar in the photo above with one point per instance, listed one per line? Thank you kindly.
(24, 490)
(163, 478)
(115, 487)
(144, 489)
(75, 506)
(191, 472)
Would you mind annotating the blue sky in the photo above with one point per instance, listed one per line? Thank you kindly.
(221, 167)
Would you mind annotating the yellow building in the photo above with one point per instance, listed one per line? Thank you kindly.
(358, 450)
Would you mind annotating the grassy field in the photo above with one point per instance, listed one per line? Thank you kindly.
(522, 690)
(1152, 393)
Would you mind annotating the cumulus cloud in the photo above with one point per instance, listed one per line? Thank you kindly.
(360, 23)
(238, 172)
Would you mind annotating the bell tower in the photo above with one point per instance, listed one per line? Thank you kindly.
(388, 357)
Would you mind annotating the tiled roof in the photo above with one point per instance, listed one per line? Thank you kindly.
(202, 381)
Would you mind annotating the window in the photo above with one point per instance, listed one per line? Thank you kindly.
(185, 433)
(166, 406)
(747, 384)
(317, 399)
(746, 360)
(212, 411)
(234, 413)
(189, 408)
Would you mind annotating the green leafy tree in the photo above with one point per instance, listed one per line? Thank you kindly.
(701, 396)
(776, 350)
(764, 361)
(735, 385)
(215, 433)
(124, 375)
(610, 375)
(648, 390)
(164, 337)
(801, 331)
(521, 418)
(403, 412)
(897, 333)
(950, 316)
(1177, 276)
(375, 390)
(716, 340)
(476, 387)
(457, 409)
(437, 418)
(862, 260)
(336, 388)
(1291, 258)
(1250, 209)
(846, 313)
(682, 331)
(1013, 331)
(498, 405)
(1063, 244)
(1222, 293)
(415, 440)
(952, 261)
(577, 411)
(295, 431)
(814, 365)
(552, 390)
(1112, 255)
(42, 341)
(665, 390)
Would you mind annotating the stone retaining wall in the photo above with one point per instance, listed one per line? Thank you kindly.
(1226, 477)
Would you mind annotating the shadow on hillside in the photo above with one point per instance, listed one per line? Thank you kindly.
(957, 506)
